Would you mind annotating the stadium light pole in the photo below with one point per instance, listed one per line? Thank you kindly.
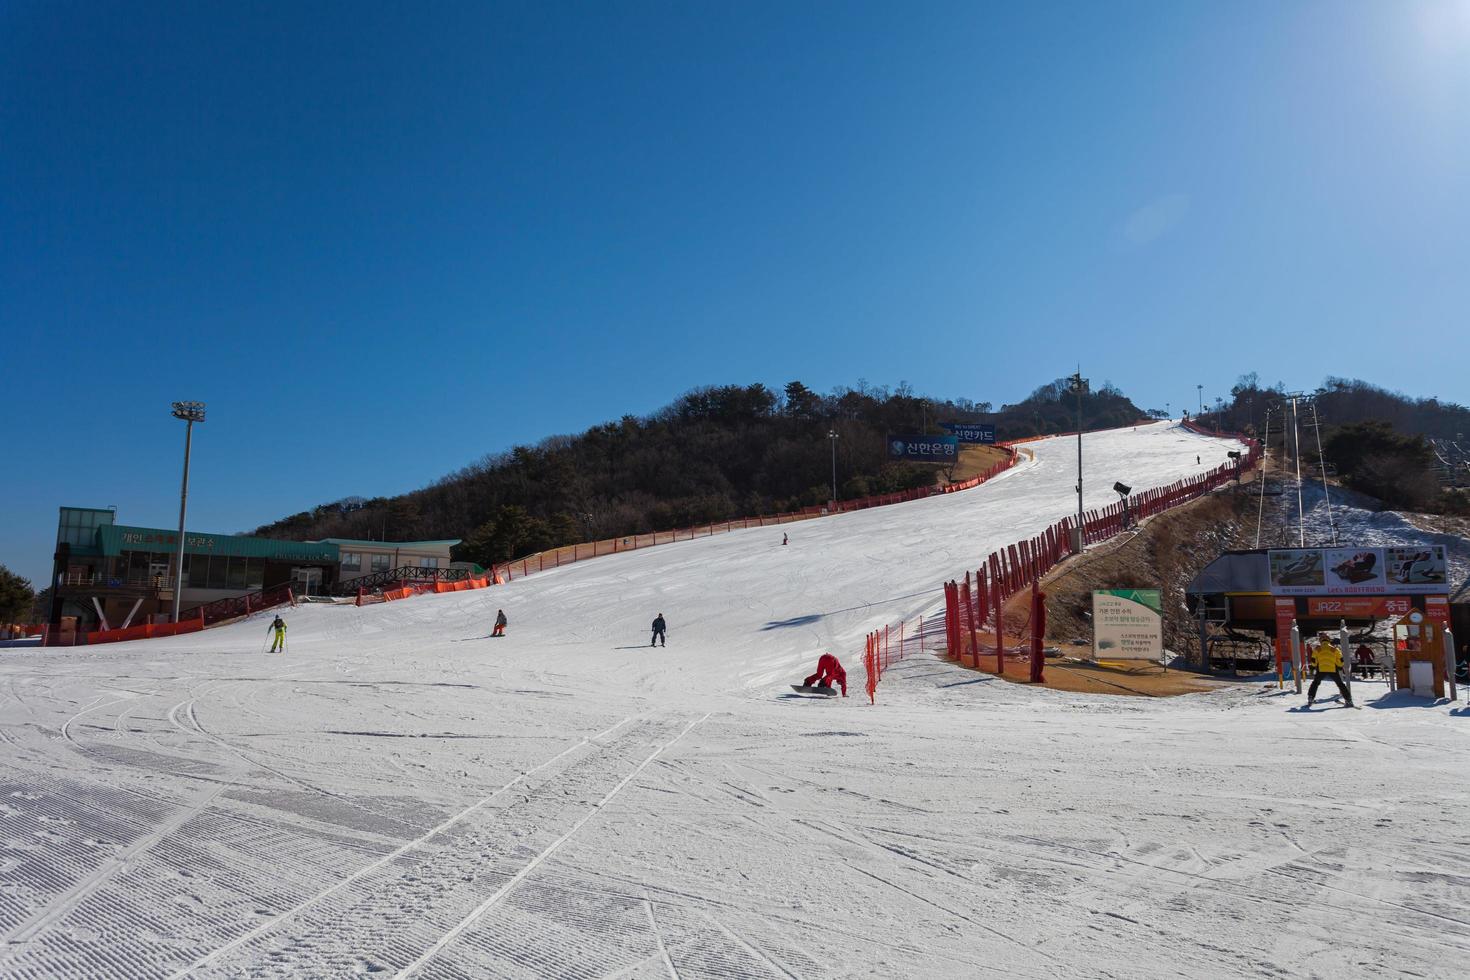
(190, 412)
(832, 438)
(1079, 385)
(1201, 390)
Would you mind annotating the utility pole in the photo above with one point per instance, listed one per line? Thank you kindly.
(190, 412)
(1079, 385)
(1201, 390)
(1296, 445)
(832, 438)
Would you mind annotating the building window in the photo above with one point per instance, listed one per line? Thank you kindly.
(381, 563)
(428, 563)
(351, 561)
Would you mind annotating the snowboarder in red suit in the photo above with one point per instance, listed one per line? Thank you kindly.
(828, 671)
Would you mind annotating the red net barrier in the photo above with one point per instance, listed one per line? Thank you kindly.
(974, 627)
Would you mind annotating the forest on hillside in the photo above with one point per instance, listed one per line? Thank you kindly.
(715, 453)
(1375, 440)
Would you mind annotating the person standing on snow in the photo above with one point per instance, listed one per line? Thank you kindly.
(278, 625)
(1327, 659)
(783, 538)
(829, 669)
(659, 626)
(500, 623)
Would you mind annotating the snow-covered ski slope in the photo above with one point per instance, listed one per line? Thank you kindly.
(400, 795)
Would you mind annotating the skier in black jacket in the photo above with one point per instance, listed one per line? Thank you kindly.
(658, 631)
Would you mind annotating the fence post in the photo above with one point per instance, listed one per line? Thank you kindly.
(1038, 632)
(1000, 640)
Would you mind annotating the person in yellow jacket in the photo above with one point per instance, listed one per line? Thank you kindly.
(279, 627)
(1327, 659)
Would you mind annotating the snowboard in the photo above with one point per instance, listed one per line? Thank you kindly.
(830, 692)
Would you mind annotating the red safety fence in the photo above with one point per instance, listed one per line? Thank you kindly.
(596, 549)
(973, 606)
(223, 610)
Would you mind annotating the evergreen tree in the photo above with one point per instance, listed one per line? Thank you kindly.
(16, 597)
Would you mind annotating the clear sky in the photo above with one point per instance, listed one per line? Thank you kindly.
(381, 241)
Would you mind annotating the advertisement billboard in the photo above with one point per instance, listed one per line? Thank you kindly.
(924, 449)
(1396, 570)
(1127, 624)
(971, 433)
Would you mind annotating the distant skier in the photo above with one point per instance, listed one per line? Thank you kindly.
(783, 539)
(1196, 461)
(659, 626)
(500, 622)
(828, 671)
(1327, 659)
(278, 626)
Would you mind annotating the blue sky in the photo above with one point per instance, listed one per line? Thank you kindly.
(382, 242)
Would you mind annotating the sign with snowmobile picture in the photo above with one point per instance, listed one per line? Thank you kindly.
(1127, 624)
(971, 433)
(924, 449)
(1396, 570)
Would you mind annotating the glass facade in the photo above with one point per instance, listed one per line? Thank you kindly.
(224, 572)
(78, 526)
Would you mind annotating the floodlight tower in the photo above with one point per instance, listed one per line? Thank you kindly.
(190, 412)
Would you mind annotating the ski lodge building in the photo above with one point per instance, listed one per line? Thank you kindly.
(107, 573)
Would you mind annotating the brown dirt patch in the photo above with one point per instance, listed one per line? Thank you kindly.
(973, 461)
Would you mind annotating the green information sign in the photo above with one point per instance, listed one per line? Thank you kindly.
(1127, 624)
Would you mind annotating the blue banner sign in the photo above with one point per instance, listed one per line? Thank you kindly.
(924, 449)
(977, 433)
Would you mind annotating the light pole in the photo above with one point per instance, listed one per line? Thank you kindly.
(832, 438)
(1079, 385)
(1201, 389)
(190, 412)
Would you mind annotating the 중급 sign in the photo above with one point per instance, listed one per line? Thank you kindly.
(1127, 624)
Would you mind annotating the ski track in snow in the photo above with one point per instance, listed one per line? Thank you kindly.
(401, 796)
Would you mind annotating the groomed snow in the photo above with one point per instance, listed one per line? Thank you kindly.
(398, 794)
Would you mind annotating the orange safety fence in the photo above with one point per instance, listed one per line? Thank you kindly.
(895, 642)
(423, 588)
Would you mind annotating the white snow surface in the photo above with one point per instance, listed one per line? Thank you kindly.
(399, 795)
